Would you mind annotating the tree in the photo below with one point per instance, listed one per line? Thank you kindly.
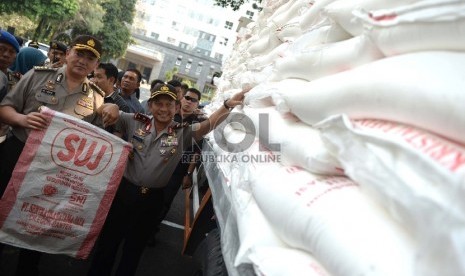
(88, 19)
(115, 34)
(171, 73)
(236, 4)
(46, 13)
(23, 26)
(108, 20)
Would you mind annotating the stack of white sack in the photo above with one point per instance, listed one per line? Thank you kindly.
(418, 176)
(322, 60)
(422, 26)
(258, 243)
(419, 88)
(332, 219)
(294, 142)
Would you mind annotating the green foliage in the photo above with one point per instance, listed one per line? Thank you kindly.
(88, 19)
(46, 13)
(109, 20)
(190, 83)
(115, 34)
(236, 4)
(24, 26)
(170, 74)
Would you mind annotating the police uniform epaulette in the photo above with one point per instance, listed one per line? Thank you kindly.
(180, 125)
(142, 118)
(95, 87)
(44, 68)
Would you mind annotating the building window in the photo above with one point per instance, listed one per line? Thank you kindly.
(189, 64)
(131, 65)
(183, 45)
(154, 35)
(228, 25)
(211, 71)
(174, 26)
(178, 61)
(249, 14)
(218, 56)
(198, 70)
(171, 40)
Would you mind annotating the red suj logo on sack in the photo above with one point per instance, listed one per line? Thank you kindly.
(81, 152)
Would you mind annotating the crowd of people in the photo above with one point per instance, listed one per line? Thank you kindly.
(72, 80)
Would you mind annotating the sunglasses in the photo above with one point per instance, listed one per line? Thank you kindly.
(194, 100)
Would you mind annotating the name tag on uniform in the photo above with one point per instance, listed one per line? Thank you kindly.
(84, 106)
(46, 96)
(86, 102)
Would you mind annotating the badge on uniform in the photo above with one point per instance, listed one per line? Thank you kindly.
(46, 96)
(84, 106)
(169, 141)
(59, 78)
(50, 85)
(84, 88)
(140, 132)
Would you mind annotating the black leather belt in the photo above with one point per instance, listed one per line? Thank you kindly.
(141, 189)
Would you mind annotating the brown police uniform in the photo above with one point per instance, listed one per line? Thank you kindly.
(45, 86)
(13, 79)
(139, 199)
(157, 154)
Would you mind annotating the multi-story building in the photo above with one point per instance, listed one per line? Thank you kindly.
(190, 37)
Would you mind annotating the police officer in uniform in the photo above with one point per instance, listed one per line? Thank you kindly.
(56, 54)
(158, 143)
(9, 48)
(64, 89)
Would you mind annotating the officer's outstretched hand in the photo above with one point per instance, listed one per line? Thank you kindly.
(238, 98)
(109, 113)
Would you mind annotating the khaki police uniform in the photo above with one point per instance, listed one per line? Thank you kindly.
(139, 200)
(155, 155)
(13, 79)
(45, 86)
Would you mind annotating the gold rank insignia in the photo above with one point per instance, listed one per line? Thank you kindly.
(91, 43)
(50, 85)
(140, 132)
